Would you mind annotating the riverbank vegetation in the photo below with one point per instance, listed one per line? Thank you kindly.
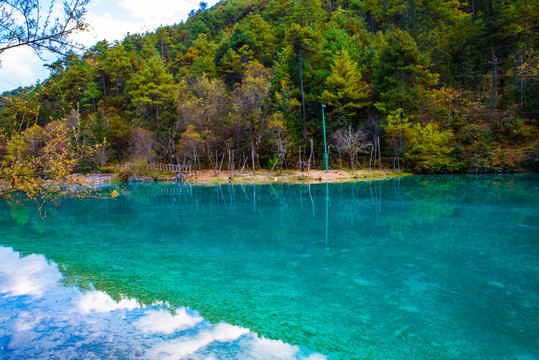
(434, 87)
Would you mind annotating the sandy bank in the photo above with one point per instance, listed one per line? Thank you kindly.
(208, 177)
(293, 176)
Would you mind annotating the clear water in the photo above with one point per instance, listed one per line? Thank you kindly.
(418, 268)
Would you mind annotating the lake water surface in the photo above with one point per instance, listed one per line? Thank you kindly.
(418, 268)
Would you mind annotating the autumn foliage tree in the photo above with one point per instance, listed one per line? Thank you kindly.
(430, 148)
(36, 164)
(253, 106)
(192, 145)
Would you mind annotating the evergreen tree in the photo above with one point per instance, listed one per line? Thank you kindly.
(345, 89)
(152, 93)
(402, 77)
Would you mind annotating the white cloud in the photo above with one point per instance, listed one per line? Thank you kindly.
(110, 20)
(27, 321)
(161, 321)
(224, 332)
(29, 275)
(105, 27)
(160, 12)
(20, 67)
(101, 302)
(182, 347)
(262, 347)
(134, 16)
(252, 347)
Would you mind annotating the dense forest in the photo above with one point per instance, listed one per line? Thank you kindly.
(428, 86)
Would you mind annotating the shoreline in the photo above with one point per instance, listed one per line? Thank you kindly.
(208, 177)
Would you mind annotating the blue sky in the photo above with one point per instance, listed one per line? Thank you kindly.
(108, 19)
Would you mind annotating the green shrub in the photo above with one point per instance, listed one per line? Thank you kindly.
(273, 161)
(85, 166)
(520, 131)
(105, 169)
(476, 132)
(141, 168)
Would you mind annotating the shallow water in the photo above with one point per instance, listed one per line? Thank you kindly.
(418, 268)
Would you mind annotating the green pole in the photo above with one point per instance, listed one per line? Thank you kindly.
(325, 146)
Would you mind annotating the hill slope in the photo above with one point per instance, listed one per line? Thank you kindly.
(442, 86)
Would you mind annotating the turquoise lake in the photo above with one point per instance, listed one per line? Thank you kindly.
(441, 267)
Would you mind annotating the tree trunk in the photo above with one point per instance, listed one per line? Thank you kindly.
(208, 156)
(104, 87)
(230, 163)
(490, 93)
(375, 146)
(273, 167)
(370, 160)
(379, 153)
(244, 162)
(495, 62)
(220, 166)
(233, 164)
(394, 158)
(301, 81)
(162, 50)
(299, 159)
(449, 113)
(521, 83)
(253, 158)
(310, 156)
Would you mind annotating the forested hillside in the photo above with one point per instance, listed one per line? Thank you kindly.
(440, 85)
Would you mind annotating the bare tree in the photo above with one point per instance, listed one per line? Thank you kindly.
(351, 142)
(24, 23)
(204, 104)
(143, 144)
(398, 128)
(282, 141)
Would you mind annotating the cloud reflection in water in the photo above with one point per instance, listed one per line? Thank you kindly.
(41, 318)
(29, 275)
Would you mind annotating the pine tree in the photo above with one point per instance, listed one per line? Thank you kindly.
(345, 87)
(402, 77)
(152, 92)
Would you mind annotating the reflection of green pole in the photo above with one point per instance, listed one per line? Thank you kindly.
(327, 213)
(325, 146)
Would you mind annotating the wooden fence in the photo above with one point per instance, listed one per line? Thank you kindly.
(165, 168)
(184, 169)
